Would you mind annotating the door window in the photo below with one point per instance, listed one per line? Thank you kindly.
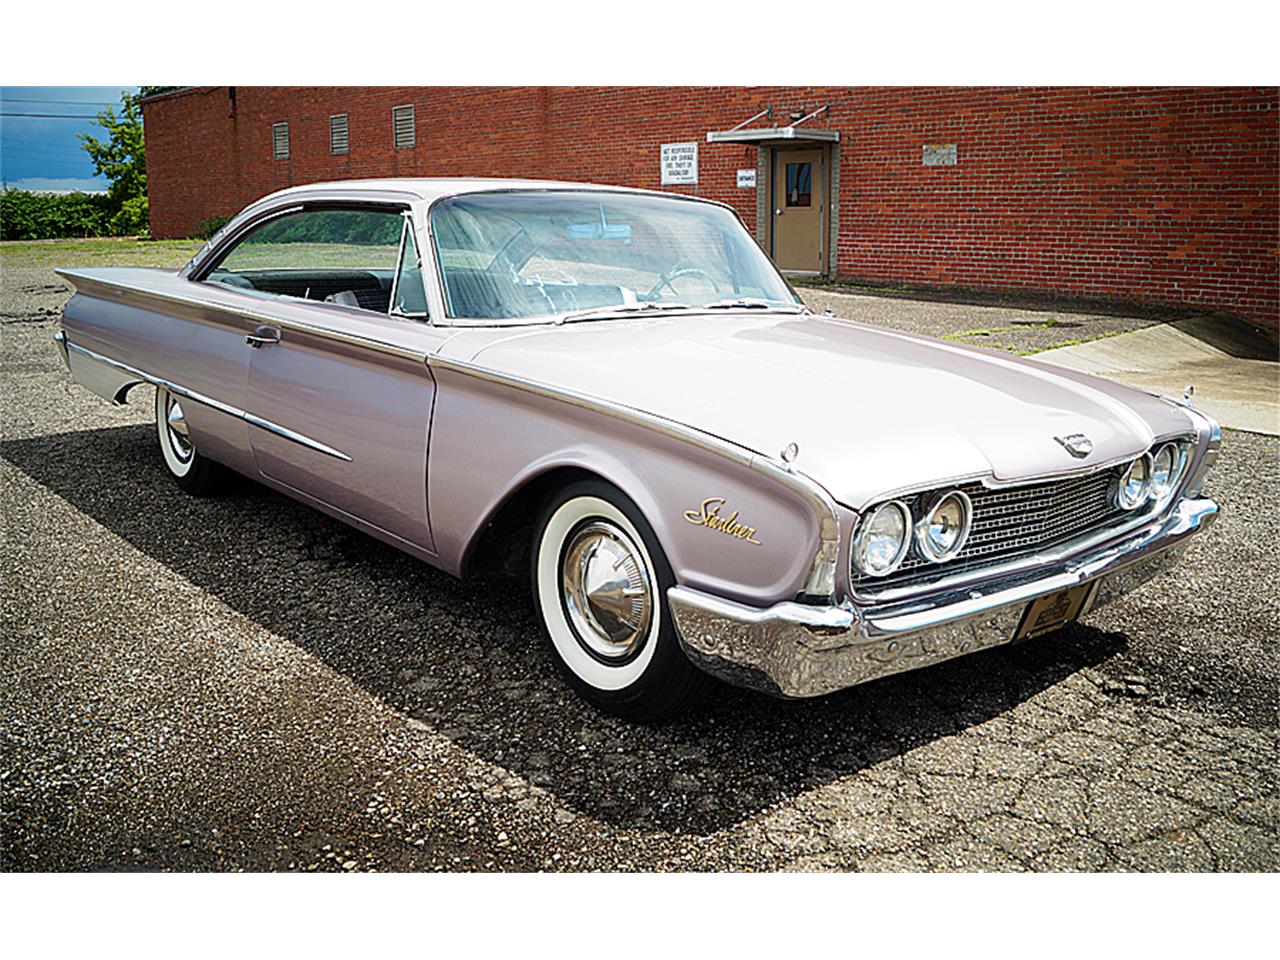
(799, 184)
(340, 256)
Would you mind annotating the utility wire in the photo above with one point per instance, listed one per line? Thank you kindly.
(54, 117)
(74, 103)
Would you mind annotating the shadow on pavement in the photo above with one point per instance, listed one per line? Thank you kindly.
(1236, 339)
(467, 658)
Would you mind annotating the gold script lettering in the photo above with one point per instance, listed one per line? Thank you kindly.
(708, 515)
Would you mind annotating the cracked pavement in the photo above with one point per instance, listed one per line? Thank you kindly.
(240, 683)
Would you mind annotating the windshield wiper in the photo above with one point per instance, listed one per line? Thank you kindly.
(752, 303)
(621, 310)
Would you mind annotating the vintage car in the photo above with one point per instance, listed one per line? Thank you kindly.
(618, 390)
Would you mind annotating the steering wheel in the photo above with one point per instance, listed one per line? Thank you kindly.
(666, 278)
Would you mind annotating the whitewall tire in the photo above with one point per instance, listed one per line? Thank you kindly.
(599, 584)
(192, 471)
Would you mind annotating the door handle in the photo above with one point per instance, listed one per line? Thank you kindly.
(262, 337)
(777, 211)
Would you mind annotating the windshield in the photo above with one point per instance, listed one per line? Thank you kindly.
(506, 256)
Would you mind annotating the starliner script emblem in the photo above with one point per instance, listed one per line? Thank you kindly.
(708, 515)
(1077, 444)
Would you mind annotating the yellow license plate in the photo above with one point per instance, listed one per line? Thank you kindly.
(1053, 610)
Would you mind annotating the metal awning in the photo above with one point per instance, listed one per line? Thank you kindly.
(794, 133)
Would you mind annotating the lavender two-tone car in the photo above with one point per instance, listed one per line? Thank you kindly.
(618, 388)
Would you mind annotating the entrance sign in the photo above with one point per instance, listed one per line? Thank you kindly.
(747, 178)
(679, 163)
(939, 155)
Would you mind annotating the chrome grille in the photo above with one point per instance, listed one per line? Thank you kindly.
(1012, 522)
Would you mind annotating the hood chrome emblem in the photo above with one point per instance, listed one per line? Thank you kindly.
(1076, 444)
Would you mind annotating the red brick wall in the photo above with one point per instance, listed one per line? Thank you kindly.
(1160, 195)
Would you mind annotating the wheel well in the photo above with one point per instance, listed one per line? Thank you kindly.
(502, 547)
(122, 395)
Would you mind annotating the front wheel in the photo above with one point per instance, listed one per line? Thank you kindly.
(600, 582)
(193, 472)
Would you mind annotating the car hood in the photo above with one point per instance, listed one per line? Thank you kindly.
(873, 411)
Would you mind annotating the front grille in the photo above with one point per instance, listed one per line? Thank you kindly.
(1014, 522)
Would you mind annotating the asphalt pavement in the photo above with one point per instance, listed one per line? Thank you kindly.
(240, 683)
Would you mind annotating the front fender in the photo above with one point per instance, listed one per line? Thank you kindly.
(729, 524)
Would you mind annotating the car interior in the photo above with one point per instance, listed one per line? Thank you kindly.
(367, 289)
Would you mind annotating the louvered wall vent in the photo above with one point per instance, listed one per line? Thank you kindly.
(280, 141)
(339, 140)
(402, 124)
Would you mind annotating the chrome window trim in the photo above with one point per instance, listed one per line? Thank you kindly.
(275, 205)
(189, 394)
(255, 316)
(820, 582)
(395, 277)
(227, 245)
(407, 236)
(219, 243)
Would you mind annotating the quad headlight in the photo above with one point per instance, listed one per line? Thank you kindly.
(1134, 485)
(1166, 470)
(883, 540)
(944, 525)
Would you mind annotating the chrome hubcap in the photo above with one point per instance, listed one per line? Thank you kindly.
(607, 591)
(176, 421)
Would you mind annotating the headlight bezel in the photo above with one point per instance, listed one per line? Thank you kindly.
(1177, 470)
(929, 507)
(1119, 495)
(858, 549)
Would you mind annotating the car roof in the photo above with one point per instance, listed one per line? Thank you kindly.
(433, 188)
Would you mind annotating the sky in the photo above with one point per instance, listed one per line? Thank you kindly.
(41, 152)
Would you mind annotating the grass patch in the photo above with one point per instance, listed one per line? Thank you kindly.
(980, 332)
(1071, 343)
(1018, 325)
(98, 252)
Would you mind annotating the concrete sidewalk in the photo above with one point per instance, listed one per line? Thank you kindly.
(1236, 376)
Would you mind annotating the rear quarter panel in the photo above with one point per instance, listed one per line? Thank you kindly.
(200, 347)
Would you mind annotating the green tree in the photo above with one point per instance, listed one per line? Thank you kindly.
(144, 92)
(120, 157)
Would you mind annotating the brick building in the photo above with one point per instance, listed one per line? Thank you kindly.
(1151, 195)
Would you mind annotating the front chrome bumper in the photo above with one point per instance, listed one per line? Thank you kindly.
(797, 650)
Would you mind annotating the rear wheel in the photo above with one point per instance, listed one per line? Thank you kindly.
(600, 581)
(193, 472)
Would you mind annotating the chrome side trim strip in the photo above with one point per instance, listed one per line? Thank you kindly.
(245, 313)
(189, 394)
(820, 582)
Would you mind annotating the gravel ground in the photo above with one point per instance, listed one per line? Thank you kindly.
(1014, 328)
(243, 684)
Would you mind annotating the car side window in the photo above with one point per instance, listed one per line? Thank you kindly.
(339, 256)
(409, 298)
